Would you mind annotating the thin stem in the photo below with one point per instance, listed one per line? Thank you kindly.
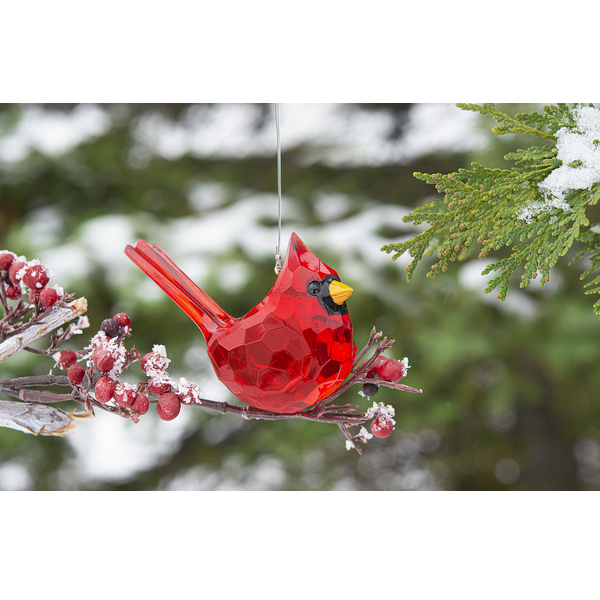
(278, 251)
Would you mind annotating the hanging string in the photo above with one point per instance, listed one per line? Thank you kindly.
(278, 249)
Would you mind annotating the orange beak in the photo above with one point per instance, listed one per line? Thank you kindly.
(339, 291)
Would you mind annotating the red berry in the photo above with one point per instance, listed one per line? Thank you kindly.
(36, 278)
(14, 269)
(13, 292)
(372, 372)
(66, 359)
(104, 389)
(381, 427)
(391, 370)
(168, 406)
(124, 394)
(123, 319)
(75, 374)
(145, 360)
(103, 360)
(141, 404)
(6, 260)
(48, 297)
(158, 389)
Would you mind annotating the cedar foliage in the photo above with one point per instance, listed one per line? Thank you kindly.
(482, 210)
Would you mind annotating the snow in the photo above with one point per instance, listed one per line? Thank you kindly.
(364, 434)
(52, 132)
(379, 409)
(335, 133)
(82, 323)
(579, 151)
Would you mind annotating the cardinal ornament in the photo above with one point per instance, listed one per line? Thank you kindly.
(291, 350)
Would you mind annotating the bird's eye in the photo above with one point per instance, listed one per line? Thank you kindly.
(313, 288)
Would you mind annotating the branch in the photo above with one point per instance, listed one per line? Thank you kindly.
(52, 421)
(38, 419)
(52, 319)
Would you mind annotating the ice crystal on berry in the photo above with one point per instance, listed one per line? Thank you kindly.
(125, 393)
(154, 363)
(188, 391)
(379, 408)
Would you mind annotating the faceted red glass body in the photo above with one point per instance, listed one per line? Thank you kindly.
(287, 353)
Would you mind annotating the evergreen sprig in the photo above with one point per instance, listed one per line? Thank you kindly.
(482, 209)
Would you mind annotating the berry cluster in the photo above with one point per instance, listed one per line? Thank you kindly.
(107, 358)
(33, 276)
(170, 395)
(389, 370)
(21, 279)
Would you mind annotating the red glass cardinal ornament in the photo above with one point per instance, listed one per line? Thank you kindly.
(291, 350)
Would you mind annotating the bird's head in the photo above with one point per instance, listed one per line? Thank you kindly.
(331, 293)
(318, 279)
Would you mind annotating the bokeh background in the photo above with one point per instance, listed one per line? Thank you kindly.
(510, 389)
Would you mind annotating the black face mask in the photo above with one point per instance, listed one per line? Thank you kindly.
(320, 289)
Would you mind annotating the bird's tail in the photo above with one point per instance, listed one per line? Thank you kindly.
(163, 270)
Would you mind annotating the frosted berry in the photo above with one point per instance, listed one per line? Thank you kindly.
(168, 406)
(13, 292)
(381, 427)
(391, 370)
(36, 278)
(104, 389)
(158, 389)
(372, 372)
(48, 297)
(370, 389)
(66, 359)
(123, 319)
(6, 260)
(124, 394)
(103, 360)
(188, 393)
(14, 269)
(153, 361)
(110, 327)
(141, 404)
(76, 374)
